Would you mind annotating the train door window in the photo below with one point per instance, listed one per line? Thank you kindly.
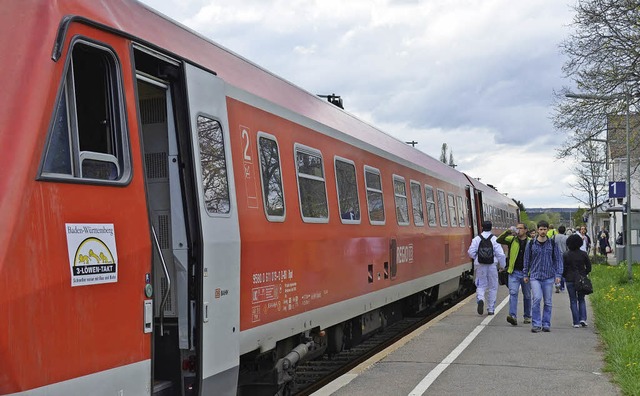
(347, 187)
(312, 190)
(453, 214)
(431, 204)
(271, 177)
(416, 203)
(215, 183)
(442, 205)
(88, 136)
(461, 211)
(375, 200)
(402, 206)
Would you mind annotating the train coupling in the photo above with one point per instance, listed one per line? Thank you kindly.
(287, 365)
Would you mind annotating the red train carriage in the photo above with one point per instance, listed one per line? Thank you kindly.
(177, 220)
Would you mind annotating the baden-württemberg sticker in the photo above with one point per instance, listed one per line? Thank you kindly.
(92, 254)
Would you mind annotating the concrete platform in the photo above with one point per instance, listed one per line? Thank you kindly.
(462, 352)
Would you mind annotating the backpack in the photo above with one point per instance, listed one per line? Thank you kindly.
(485, 250)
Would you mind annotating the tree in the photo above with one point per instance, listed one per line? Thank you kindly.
(443, 153)
(603, 61)
(451, 162)
(578, 217)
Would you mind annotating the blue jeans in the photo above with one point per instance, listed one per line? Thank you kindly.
(577, 304)
(542, 289)
(515, 281)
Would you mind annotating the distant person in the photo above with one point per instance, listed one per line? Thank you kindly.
(576, 262)
(486, 273)
(533, 234)
(586, 241)
(543, 268)
(619, 240)
(603, 241)
(561, 241)
(552, 231)
(517, 243)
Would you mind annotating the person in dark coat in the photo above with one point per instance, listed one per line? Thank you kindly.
(576, 262)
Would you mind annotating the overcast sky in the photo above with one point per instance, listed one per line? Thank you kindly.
(478, 75)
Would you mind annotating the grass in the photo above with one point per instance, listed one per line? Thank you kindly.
(616, 306)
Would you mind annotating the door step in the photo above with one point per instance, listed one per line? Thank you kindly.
(163, 388)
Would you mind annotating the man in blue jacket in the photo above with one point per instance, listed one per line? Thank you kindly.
(543, 268)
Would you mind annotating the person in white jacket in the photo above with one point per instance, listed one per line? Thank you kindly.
(486, 275)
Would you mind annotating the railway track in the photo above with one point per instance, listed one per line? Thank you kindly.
(314, 374)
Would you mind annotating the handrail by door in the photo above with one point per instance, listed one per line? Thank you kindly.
(163, 302)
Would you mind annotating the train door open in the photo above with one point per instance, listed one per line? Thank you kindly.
(173, 319)
(471, 212)
(195, 233)
(218, 331)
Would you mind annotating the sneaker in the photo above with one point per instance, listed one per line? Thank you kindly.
(489, 312)
(512, 320)
(557, 289)
(526, 320)
(576, 326)
(546, 329)
(583, 323)
(480, 307)
(536, 329)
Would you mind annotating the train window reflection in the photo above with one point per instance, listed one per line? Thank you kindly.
(311, 185)
(431, 205)
(461, 211)
(87, 139)
(271, 177)
(453, 214)
(347, 187)
(215, 184)
(400, 193)
(375, 201)
(416, 204)
(442, 205)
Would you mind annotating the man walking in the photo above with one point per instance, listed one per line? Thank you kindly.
(542, 267)
(485, 252)
(561, 240)
(517, 243)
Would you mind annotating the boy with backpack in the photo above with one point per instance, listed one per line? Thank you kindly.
(486, 252)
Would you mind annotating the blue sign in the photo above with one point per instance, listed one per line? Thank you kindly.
(617, 190)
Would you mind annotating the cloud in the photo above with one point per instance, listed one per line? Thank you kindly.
(478, 75)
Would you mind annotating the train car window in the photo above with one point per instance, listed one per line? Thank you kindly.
(442, 205)
(375, 200)
(347, 187)
(402, 205)
(87, 138)
(215, 183)
(431, 205)
(312, 189)
(271, 177)
(416, 203)
(461, 211)
(453, 213)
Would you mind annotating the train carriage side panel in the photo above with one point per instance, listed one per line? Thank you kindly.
(48, 223)
(309, 263)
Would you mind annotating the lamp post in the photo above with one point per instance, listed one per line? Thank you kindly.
(627, 209)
